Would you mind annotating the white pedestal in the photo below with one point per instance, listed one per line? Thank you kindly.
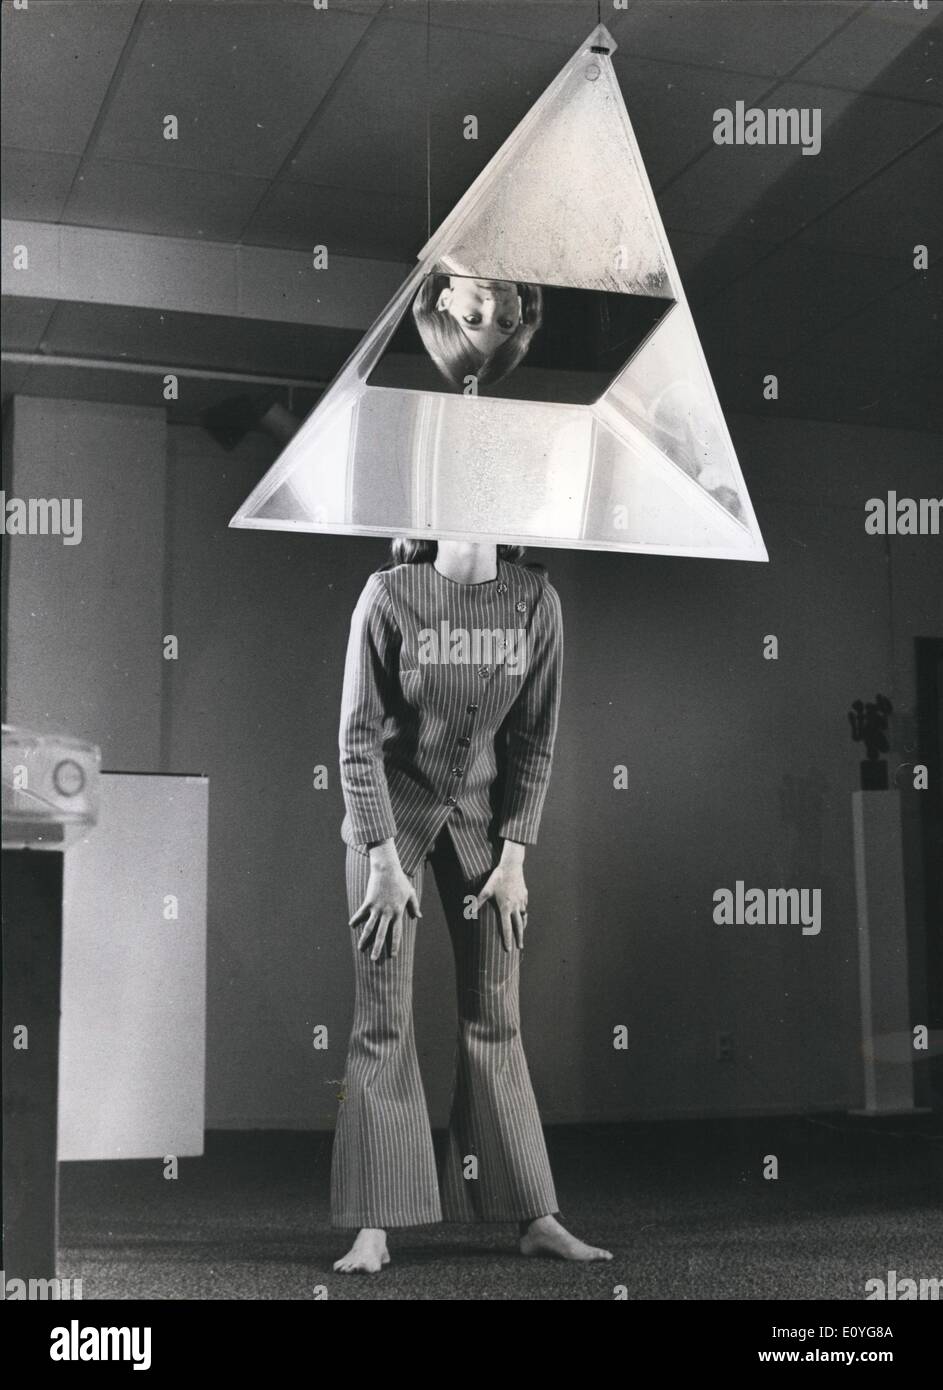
(133, 1033)
(886, 1023)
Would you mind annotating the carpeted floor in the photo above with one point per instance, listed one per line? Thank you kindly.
(683, 1206)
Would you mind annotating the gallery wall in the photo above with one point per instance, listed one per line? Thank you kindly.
(737, 767)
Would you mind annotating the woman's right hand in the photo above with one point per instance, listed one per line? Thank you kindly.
(390, 895)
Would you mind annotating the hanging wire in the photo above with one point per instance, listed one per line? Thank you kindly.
(429, 122)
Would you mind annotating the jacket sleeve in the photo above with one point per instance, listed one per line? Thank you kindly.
(532, 724)
(369, 678)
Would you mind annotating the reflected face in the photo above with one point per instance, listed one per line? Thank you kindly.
(488, 311)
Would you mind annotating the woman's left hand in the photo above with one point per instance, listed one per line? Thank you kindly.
(507, 887)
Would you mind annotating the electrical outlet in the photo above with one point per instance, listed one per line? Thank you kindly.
(723, 1047)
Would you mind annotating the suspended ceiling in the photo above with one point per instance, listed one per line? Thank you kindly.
(300, 126)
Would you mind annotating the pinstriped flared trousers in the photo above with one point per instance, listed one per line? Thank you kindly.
(383, 1169)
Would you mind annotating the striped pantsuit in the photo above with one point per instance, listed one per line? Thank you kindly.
(383, 1170)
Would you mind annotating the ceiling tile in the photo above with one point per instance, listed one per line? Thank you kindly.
(672, 107)
(920, 392)
(24, 322)
(495, 83)
(36, 183)
(740, 381)
(370, 133)
(708, 264)
(803, 290)
(771, 190)
(893, 212)
(817, 388)
(894, 335)
(197, 340)
(349, 222)
(749, 35)
(242, 87)
(58, 59)
(900, 402)
(166, 202)
(563, 23)
(888, 49)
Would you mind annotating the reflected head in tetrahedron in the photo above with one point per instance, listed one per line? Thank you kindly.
(515, 339)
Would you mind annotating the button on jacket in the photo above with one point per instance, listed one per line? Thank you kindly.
(428, 740)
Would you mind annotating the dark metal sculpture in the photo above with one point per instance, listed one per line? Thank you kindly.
(869, 726)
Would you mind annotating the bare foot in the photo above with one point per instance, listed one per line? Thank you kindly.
(546, 1236)
(367, 1255)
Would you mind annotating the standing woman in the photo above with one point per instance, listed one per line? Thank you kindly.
(448, 720)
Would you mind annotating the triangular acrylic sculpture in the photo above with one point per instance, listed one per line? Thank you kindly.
(631, 455)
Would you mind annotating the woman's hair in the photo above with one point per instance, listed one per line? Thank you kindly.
(406, 551)
(450, 349)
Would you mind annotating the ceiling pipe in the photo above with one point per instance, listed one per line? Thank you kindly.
(43, 359)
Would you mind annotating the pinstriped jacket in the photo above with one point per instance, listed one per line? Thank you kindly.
(449, 711)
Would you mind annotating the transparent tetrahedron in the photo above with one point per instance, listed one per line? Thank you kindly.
(647, 466)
